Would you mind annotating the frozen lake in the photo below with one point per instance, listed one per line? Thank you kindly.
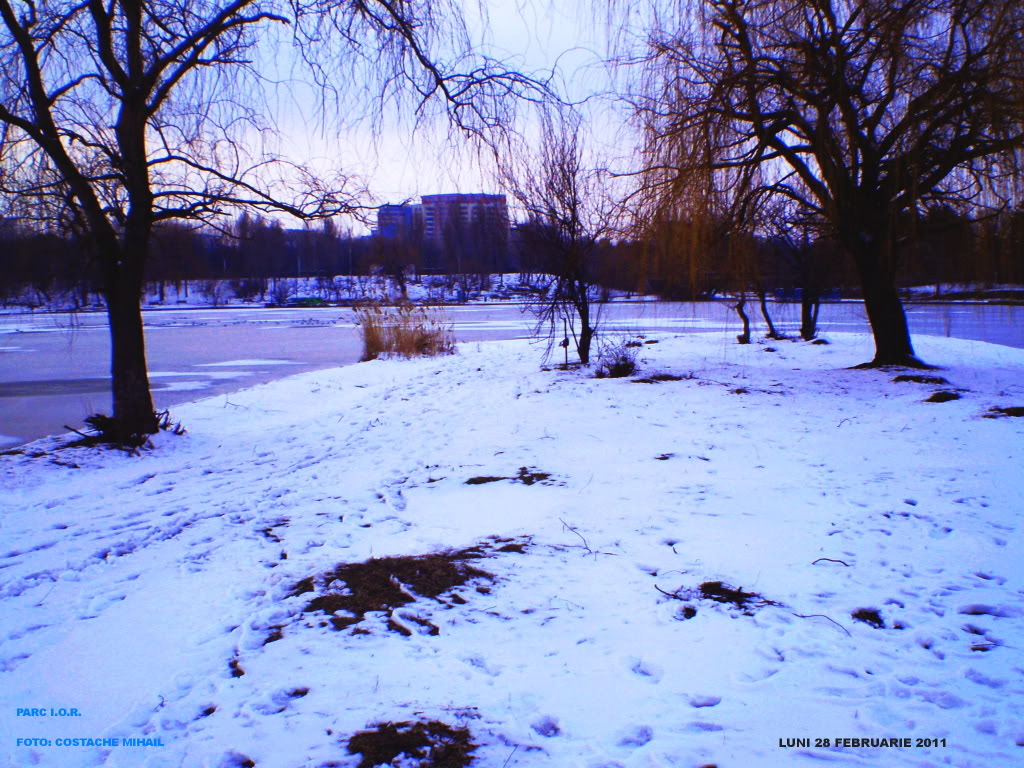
(54, 367)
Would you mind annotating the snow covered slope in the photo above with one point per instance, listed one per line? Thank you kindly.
(165, 596)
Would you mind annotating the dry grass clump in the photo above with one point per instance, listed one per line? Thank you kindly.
(404, 331)
(386, 584)
(720, 592)
(430, 744)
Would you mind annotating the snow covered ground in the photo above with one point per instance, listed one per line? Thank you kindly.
(161, 595)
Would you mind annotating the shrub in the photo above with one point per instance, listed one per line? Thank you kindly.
(616, 361)
(248, 288)
(214, 291)
(404, 331)
(281, 290)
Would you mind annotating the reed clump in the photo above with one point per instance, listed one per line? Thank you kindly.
(404, 330)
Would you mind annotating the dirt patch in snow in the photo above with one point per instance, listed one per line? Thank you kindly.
(720, 592)
(869, 616)
(657, 378)
(921, 379)
(388, 583)
(526, 476)
(942, 396)
(430, 744)
(1002, 412)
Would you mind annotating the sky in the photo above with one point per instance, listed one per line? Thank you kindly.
(401, 162)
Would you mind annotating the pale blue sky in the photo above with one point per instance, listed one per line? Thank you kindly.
(537, 36)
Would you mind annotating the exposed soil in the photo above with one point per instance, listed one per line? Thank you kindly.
(655, 378)
(999, 412)
(275, 635)
(269, 532)
(529, 476)
(482, 479)
(920, 379)
(942, 396)
(432, 744)
(388, 583)
(869, 616)
(720, 592)
(526, 476)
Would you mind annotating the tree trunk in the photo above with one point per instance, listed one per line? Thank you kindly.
(810, 305)
(134, 416)
(762, 297)
(581, 302)
(885, 313)
(739, 307)
(585, 342)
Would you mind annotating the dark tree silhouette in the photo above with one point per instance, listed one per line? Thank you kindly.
(566, 216)
(117, 115)
(863, 113)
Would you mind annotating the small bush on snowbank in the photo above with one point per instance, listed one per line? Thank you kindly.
(616, 361)
(404, 331)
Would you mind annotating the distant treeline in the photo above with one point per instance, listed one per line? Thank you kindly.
(943, 248)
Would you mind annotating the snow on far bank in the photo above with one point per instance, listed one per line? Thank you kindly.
(156, 594)
(507, 287)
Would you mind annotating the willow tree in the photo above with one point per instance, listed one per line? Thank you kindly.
(860, 113)
(118, 115)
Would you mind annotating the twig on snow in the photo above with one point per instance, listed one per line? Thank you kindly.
(566, 526)
(586, 546)
(822, 616)
(47, 593)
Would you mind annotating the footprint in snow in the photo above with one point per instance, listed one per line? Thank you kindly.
(635, 736)
(705, 701)
(100, 603)
(989, 577)
(137, 481)
(700, 726)
(942, 699)
(546, 726)
(757, 674)
(981, 679)
(646, 669)
(17, 635)
(998, 611)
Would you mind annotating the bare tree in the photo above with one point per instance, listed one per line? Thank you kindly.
(116, 115)
(566, 217)
(862, 113)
